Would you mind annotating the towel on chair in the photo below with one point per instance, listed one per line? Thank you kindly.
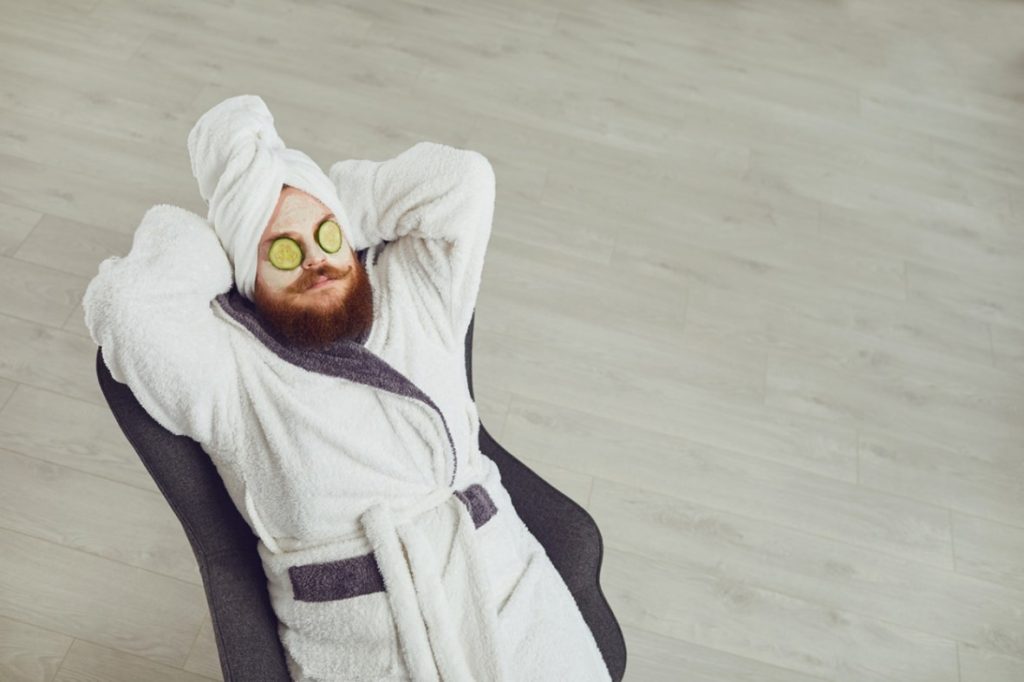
(391, 548)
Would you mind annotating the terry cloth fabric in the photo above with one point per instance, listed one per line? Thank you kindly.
(356, 448)
(241, 163)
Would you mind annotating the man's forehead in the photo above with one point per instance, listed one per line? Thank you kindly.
(296, 210)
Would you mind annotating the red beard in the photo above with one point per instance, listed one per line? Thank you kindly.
(317, 317)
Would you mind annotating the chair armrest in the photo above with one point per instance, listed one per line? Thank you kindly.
(244, 624)
(572, 541)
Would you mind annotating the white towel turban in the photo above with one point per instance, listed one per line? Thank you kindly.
(241, 165)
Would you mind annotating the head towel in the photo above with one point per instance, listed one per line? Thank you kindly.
(241, 165)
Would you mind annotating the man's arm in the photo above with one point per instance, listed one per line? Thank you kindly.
(441, 196)
(150, 312)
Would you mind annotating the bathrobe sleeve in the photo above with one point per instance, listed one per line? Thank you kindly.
(440, 196)
(150, 313)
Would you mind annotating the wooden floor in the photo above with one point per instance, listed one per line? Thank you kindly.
(754, 297)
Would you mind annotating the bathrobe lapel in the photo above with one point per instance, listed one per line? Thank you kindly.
(345, 358)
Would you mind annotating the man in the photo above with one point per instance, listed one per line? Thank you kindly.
(309, 335)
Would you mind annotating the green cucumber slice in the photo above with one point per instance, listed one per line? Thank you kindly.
(285, 253)
(329, 236)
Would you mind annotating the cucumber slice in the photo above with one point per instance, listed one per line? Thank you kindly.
(285, 253)
(329, 236)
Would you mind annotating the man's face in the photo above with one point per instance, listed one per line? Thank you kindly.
(325, 297)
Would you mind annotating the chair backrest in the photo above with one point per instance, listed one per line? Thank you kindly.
(244, 624)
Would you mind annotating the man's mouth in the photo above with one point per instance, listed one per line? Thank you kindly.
(321, 282)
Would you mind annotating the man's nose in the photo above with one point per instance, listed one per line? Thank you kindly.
(314, 259)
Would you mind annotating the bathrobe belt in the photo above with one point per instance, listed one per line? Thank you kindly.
(446, 631)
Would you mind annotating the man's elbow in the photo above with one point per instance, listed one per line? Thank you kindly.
(479, 178)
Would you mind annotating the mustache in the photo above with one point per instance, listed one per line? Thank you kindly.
(327, 270)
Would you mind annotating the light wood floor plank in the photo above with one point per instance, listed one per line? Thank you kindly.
(937, 601)
(657, 658)
(94, 515)
(742, 482)
(101, 600)
(710, 605)
(29, 653)
(88, 662)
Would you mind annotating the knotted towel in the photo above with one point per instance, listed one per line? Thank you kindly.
(241, 165)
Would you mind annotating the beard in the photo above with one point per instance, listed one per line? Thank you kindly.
(312, 318)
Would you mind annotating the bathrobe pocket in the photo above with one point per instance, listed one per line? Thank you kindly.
(352, 638)
(335, 620)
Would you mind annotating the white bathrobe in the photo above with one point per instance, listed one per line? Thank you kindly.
(391, 548)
